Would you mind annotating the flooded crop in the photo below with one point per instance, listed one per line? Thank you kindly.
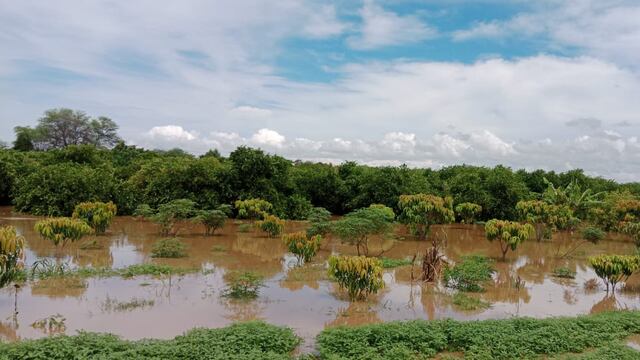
(113, 283)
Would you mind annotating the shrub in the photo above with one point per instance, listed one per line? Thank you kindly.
(253, 208)
(469, 273)
(298, 207)
(359, 275)
(564, 272)
(97, 214)
(272, 225)
(509, 233)
(11, 254)
(420, 211)
(303, 247)
(62, 230)
(244, 285)
(169, 248)
(613, 269)
(244, 228)
(356, 227)
(212, 219)
(170, 213)
(468, 212)
(593, 234)
(632, 229)
(388, 263)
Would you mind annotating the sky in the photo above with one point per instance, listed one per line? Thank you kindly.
(551, 84)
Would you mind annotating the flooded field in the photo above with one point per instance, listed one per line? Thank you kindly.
(299, 297)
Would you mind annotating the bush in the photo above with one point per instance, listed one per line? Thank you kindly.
(97, 214)
(469, 273)
(298, 207)
(11, 254)
(420, 211)
(356, 227)
(564, 272)
(61, 230)
(468, 212)
(613, 269)
(509, 233)
(359, 275)
(593, 234)
(212, 219)
(303, 247)
(388, 263)
(253, 208)
(319, 224)
(169, 248)
(243, 286)
(272, 225)
(244, 228)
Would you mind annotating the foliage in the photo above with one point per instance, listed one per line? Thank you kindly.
(11, 254)
(592, 234)
(564, 272)
(469, 273)
(242, 341)
(212, 219)
(61, 230)
(243, 285)
(169, 214)
(356, 227)
(513, 338)
(468, 212)
(169, 248)
(298, 207)
(632, 229)
(97, 214)
(509, 233)
(244, 228)
(613, 269)
(388, 263)
(253, 208)
(302, 246)
(272, 225)
(420, 211)
(46, 268)
(319, 224)
(469, 303)
(572, 196)
(359, 275)
(545, 217)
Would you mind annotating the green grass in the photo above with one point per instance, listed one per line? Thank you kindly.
(169, 248)
(243, 285)
(389, 263)
(517, 338)
(466, 302)
(133, 270)
(252, 340)
(469, 273)
(563, 272)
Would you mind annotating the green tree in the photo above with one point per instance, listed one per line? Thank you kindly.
(508, 233)
(468, 212)
(25, 138)
(356, 227)
(11, 254)
(302, 246)
(96, 214)
(319, 222)
(420, 211)
(253, 209)
(168, 215)
(613, 269)
(62, 230)
(359, 275)
(213, 219)
(271, 224)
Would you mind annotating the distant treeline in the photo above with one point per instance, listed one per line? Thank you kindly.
(52, 182)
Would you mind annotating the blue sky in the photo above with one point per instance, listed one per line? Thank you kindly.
(427, 83)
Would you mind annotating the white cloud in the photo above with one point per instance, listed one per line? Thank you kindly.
(323, 22)
(385, 28)
(489, 141)
(245, 111)
(171, 133)
(268, 137)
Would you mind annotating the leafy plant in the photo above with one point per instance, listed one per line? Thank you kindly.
(613, 269)
(359, 275)
(632, 229)
(272, 225)
(356, 227)
(169, 248)
(212, 219)
(62, 230)
(469, 273)
(564, 272)
(420, 211)
(592, 234)
(319, 223)
(46, 268)
(388, 263)
(169, 213)
(468, 212)
(509, 233)
(244, 228)
(303, 247)
(11, 254)
(253, 209)
(243, 285)
(97, 214)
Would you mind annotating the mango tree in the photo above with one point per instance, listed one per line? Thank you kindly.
(467, 212)
(62, 230)
(97, 214)
(613, 269)
(508, 233)
(319, 223)
(420, 211)
(359, 275)
(212, 219)
(302, 246)
(11, 254)
(271, 224)
(356, 227)
(169, 214)
(253, 209)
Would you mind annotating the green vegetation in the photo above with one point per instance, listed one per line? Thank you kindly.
(272, 225)
(45, 268)
(356, 227)
(302, 246)
(469, 303)
(62, 230)
(359, 275)
(97, 214)
(613, 269)
(168, 214)
(253, 209)
(509, 233)
(243, 285)
(468, 212)
(420, 211)
(319, 223)
(469, 273)
(212, 219)
(114, 305)
(592, 234)
(517, 338)
(388, 263)
(243, 228)
(251, 340)
(169, 248)
(564, 272)
(11, 251)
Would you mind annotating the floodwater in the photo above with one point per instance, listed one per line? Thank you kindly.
(299, 297)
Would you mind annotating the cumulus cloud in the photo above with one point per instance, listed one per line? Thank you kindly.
(171, 133)
(245, 111)
(268, 137)
(385, 28)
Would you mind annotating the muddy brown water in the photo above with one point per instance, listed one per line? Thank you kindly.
(299, 297)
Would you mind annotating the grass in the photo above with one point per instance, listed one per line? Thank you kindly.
(251, 340)
(243, 228)
(469, 303)
(564, 272)
(243, 286)
(114, 305)
(469, 273)
(517, 338)
(388, 263)
(169, 248)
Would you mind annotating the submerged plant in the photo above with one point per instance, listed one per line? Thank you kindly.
(388, 263)
(564, 272)
(243, 286)
(359, 275)
(469, 273)
(613, 269)
(212, 219)
(467, 212)
(169, 248)
(509, 233)
(272, 225)
(420, 211)
(11, 254)
(62, 230)
(357, 226)
(302, 246)
(97, 214)
(469, 303)
(253, 209)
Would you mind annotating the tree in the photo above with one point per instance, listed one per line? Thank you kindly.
(420, 211)
(319, 223)
(253, 208)
(167, 215)
(356, 227)
(572, 195)
(298, 207)
(213, 219)
(25, 137)
(509, 233)
(359, 275)
(467, 212)
(97, 214)
(302, 246)
(613, 269)
(11, 254)
(104, 132)
(62, 230)
(271, 224)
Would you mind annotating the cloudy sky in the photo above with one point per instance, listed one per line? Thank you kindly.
(551, 84)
